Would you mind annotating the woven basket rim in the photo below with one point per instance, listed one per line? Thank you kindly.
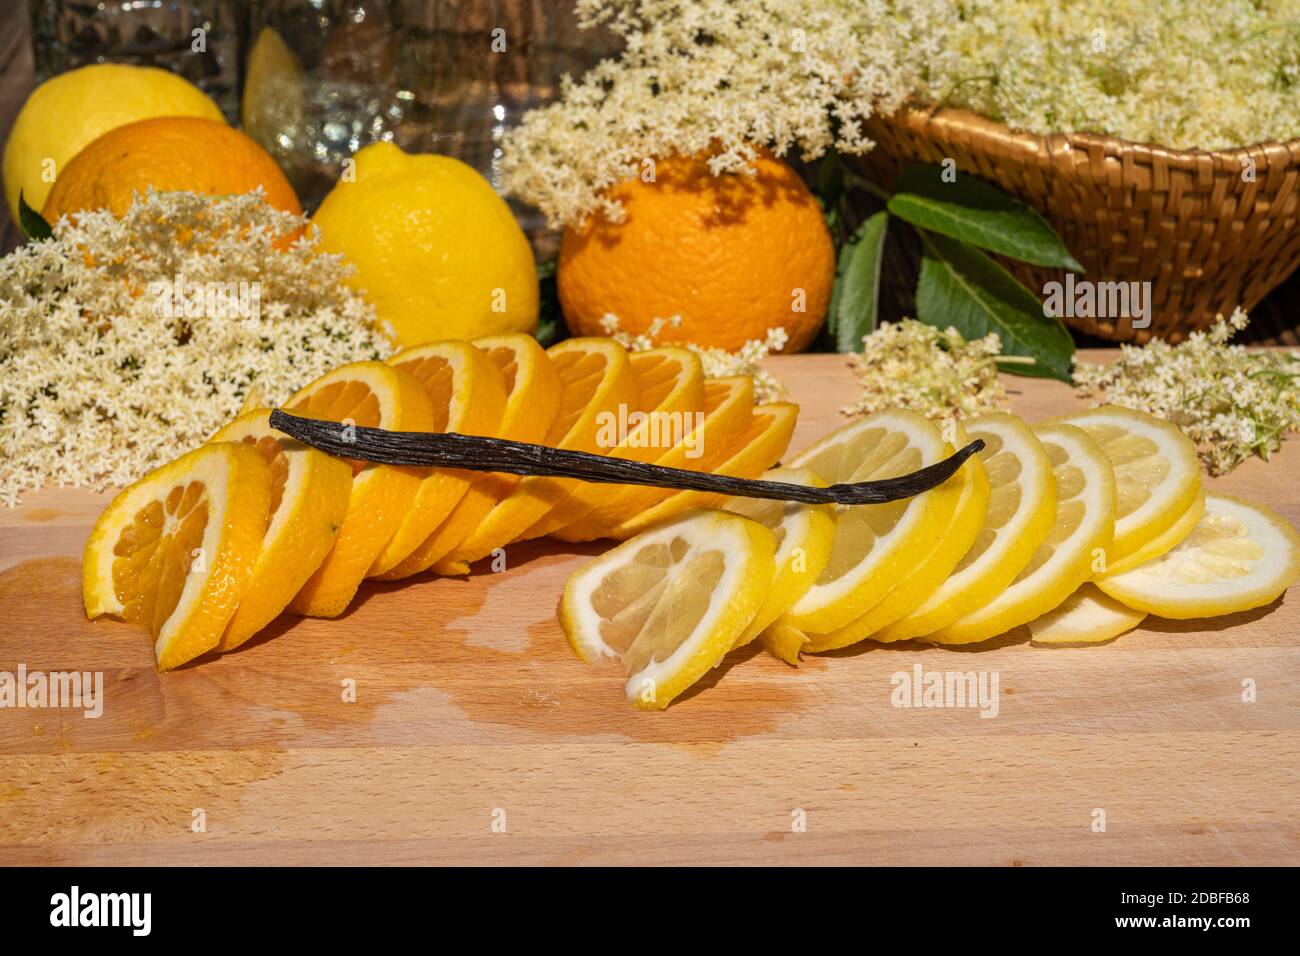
(1051, 143)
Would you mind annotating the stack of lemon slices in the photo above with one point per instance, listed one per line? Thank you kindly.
(1077, 529)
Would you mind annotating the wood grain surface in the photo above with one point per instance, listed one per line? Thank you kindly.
(477, 737)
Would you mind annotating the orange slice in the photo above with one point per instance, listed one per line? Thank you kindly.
(468, 394)
(727, 407)
(371, 395)
(309, 500)
(174, 552)
(671, 385)
(532, 400)
(745, 454)
(596, 378)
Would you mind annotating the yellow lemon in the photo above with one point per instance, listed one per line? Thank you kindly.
(437, 252)
(68, 111)
(1239, 556)
(670, 603)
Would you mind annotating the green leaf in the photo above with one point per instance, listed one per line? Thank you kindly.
(971, 210)
(963, 288)
(855, 298)
(33, 225)
(551, 327)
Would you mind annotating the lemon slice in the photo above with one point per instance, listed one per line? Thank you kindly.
(804, 535)
(1239, 556)
(784, 642)
(670, 603)
(1157, 474)
(876, 546)
(1081, 530)
(175, 551)
(1021, 509)
(374, 395)
(968, 492)
(467, 393)
(310, 492)
(1088, 616)
(1163, 542)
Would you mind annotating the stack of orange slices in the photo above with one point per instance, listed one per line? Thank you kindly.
(208, 550)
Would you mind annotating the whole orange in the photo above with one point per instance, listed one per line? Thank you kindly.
(734, 255)
(169, 153)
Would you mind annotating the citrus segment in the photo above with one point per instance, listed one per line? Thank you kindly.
(670, 603)
(1087, 616)
(670, 382)
(727, 408)
(371, 395)
(744, 454)
(174, 552)
(309, 501)
(804, 535)
(1157, 473)
(532, 400)
(1239, 556)
(596, 380)
(875, 545)
(966, 497)
(1020, 513)
(1081, 531)
(468, 395)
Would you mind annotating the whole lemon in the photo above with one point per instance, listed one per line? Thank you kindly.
(437, 252)
(733, 255)
(68, 111)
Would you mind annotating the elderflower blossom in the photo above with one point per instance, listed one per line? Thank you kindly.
(720, 78)
(1215, 74)
(935, 373)
(717, 362)
(99, 384)
(1231, 402)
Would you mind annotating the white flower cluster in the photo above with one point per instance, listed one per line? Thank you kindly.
(102, 380)
(723, 78)
(935, 373)
(1214, 74)
(720, 78)
(1233, 403)
(717, 362)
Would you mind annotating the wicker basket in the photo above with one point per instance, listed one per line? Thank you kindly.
(1185, 221)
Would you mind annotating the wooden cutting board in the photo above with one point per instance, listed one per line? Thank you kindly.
(476, 737)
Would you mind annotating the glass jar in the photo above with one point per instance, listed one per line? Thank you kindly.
(326, 77)
(198, 39)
